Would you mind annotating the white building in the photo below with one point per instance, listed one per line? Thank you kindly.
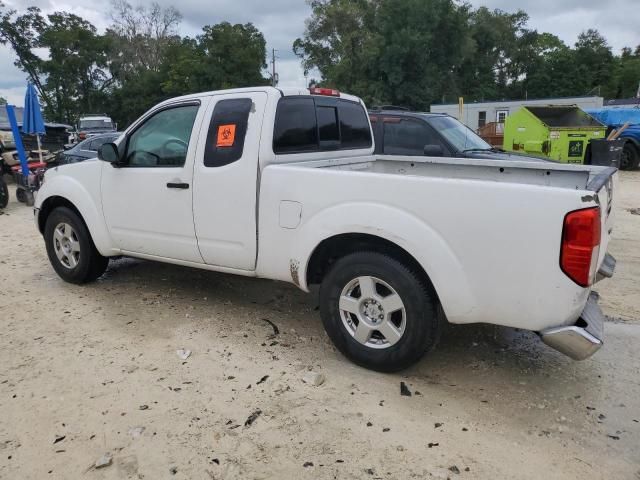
(478, 114)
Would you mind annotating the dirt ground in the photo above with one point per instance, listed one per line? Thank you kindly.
(86, 371)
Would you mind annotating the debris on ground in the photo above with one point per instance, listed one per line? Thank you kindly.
(431, 445)
(59, 438)
(104, 461)
(183, 354)
(404, 390)
(276, 330)
(262, 380)
(454, 469)
(173, 470)
(252, 418)
(313, 378)
(307, 464)
(437, 425)
(144, 407)
(136, 432)
(634, 211)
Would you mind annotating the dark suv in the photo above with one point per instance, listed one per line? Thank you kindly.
(400, 132)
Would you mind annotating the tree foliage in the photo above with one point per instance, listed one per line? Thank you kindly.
(417, 52)
(140, 60)
(403, 52)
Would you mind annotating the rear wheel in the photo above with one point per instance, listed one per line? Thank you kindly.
(378, 312)
(630, 157)
(70, 248)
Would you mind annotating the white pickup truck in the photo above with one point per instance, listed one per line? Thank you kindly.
(283, 184)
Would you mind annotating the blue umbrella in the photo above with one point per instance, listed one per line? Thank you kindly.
(32, 122)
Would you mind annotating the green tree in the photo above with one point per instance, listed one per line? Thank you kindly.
(75, 71)
(20, 32)
(404, 52)
(626, 81)
(232, 56)
(338, 41)
(594, 64)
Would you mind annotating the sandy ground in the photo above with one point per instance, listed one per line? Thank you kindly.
(86, 371)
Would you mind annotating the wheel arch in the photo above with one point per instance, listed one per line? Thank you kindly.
(343, 229)
(49, 205)
(331, 249)
(61, 192)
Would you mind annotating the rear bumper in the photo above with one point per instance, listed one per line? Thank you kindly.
(583, 339)
(607, 268)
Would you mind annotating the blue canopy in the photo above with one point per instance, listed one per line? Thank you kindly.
(615, 117)
(32, 122)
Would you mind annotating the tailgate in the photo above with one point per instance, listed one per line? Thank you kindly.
(604, 183)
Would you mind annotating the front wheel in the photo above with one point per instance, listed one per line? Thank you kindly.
(378, 312)
(70, 248)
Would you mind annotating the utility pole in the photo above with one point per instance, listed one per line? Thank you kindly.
(274, 75)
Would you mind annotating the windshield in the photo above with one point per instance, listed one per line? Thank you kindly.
(458, 135)
(86, 124)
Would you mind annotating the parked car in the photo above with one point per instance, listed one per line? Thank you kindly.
(401, 132)
(93, 124)
(86, 149)
(284, 184)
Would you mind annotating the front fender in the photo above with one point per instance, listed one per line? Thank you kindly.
(84, 194)
(403, 229)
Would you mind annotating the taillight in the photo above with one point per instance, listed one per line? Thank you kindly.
(329, 92)
(580, 245)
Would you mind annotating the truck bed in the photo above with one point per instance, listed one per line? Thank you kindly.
(551, 174)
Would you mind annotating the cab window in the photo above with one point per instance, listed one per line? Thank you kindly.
(163, 139)
(308, 124)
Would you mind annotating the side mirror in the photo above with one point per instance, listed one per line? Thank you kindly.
(433, 151)
(108, 152)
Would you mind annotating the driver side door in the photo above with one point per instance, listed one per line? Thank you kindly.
(147, 198)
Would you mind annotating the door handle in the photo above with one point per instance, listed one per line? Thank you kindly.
(182, 186)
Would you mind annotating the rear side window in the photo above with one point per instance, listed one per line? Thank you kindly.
(296, 129)
(227, 130)
(354, 126)
(305, 124)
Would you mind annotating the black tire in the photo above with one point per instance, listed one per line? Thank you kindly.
(89, 263)
(29, 198)
(630, 157)
(4, 192)
(20, 194)
(422, 321)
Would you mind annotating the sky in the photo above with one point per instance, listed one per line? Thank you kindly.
(282, 21)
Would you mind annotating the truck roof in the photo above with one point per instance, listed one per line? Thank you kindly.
(284, 91)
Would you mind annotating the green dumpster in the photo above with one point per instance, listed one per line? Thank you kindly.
(560, 133)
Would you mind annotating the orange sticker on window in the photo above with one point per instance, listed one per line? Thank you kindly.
(226, 135)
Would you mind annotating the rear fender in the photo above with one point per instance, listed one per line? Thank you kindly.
(407, 231)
